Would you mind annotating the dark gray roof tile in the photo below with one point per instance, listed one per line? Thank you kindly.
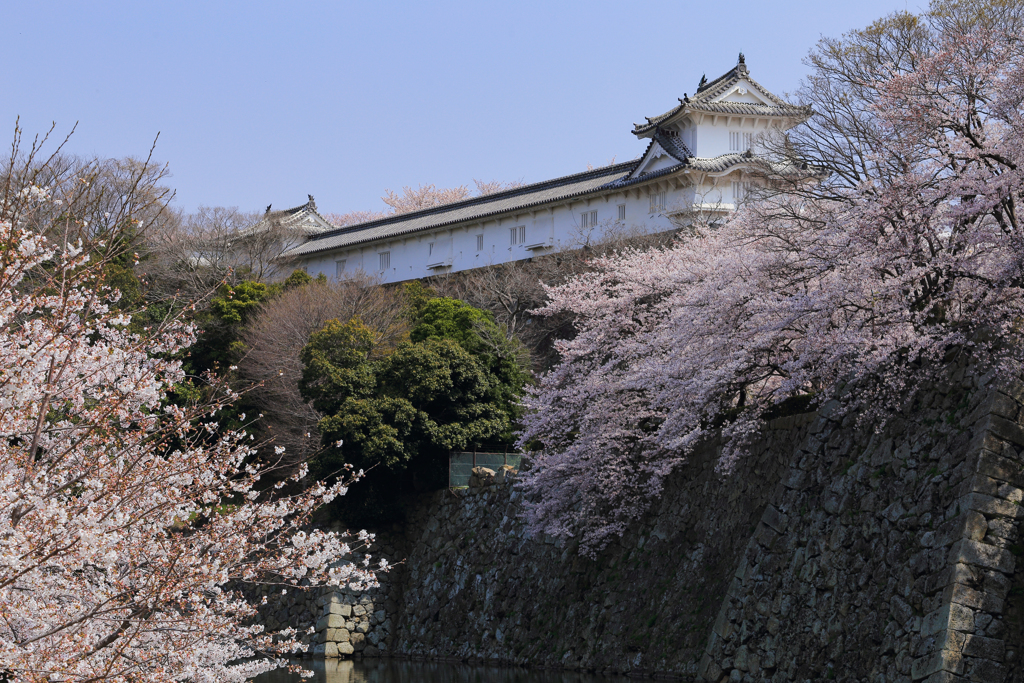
(477, 208)
(702, 101)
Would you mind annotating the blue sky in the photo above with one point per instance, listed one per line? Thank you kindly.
(260, 102)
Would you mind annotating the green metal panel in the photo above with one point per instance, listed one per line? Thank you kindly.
(460, 464)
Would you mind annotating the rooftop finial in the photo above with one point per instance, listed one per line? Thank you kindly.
(743, 60)
(741, 65)
(268, 207)
(703, 82)
(311, 202)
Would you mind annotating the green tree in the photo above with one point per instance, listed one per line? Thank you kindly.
(388, 409)
(401, 410)
(505, 359)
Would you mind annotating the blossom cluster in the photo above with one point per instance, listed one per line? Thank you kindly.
(128, 522)
(876, 285)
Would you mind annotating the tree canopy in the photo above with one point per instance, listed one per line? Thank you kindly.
(128, 522)
(454, 383)
(897, 251)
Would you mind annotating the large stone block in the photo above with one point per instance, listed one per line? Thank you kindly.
(506, 474)
(944, 660)
(1005, 407)
(1006, 429)
(982, 555)
(950, 616)
(984, 439)
(986, 648)
(1010, 493)
(337, 635)
(985, 671)
(775, 519)
(481, 476)
(989, 506)
(338, 608)
(957, 573)
(798, 480)
(1002, 528)
(978, 483)
(968, 597)
(330, 621)
(944, 677)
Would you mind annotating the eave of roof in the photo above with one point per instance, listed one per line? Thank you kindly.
(288, 218)
(673, 145)
(703, 101)
(725, 162)
(613, 177)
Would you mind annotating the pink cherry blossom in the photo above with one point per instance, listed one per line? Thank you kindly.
(811, 289)
(125, 520)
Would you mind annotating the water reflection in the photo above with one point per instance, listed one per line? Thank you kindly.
(398, 671)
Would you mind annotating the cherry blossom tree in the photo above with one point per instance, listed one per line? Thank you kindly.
(486, 187)
(127, 520)
(423, 197)
(907, 257)
(342, 220)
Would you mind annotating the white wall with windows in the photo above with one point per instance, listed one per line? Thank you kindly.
(512, 237)
(519, 236)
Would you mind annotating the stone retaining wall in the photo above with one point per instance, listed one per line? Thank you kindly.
(890, 561)
(832, 553)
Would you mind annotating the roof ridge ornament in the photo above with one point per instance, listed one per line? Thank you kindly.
(312, 204)
(703, 82)
(741, 65)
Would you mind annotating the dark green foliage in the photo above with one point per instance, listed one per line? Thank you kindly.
(234, 304)
(218, 345)
(426, 396)
(504, 359)
(417, 295)
(400, 411)
(299, 278)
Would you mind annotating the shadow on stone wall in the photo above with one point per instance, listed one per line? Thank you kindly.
(832, 553)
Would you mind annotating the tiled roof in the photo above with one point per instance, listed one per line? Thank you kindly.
(673, 145)
(477, 208)
(703, 101)
(598, 180)
(748, 108)
(724, 162)
(304, 220)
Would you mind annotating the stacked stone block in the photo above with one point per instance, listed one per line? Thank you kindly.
(477, 587)
(964, 638)
(892, 565)
(355, 622)
(836, 551)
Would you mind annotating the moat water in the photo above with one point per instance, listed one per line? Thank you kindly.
(398, 671)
